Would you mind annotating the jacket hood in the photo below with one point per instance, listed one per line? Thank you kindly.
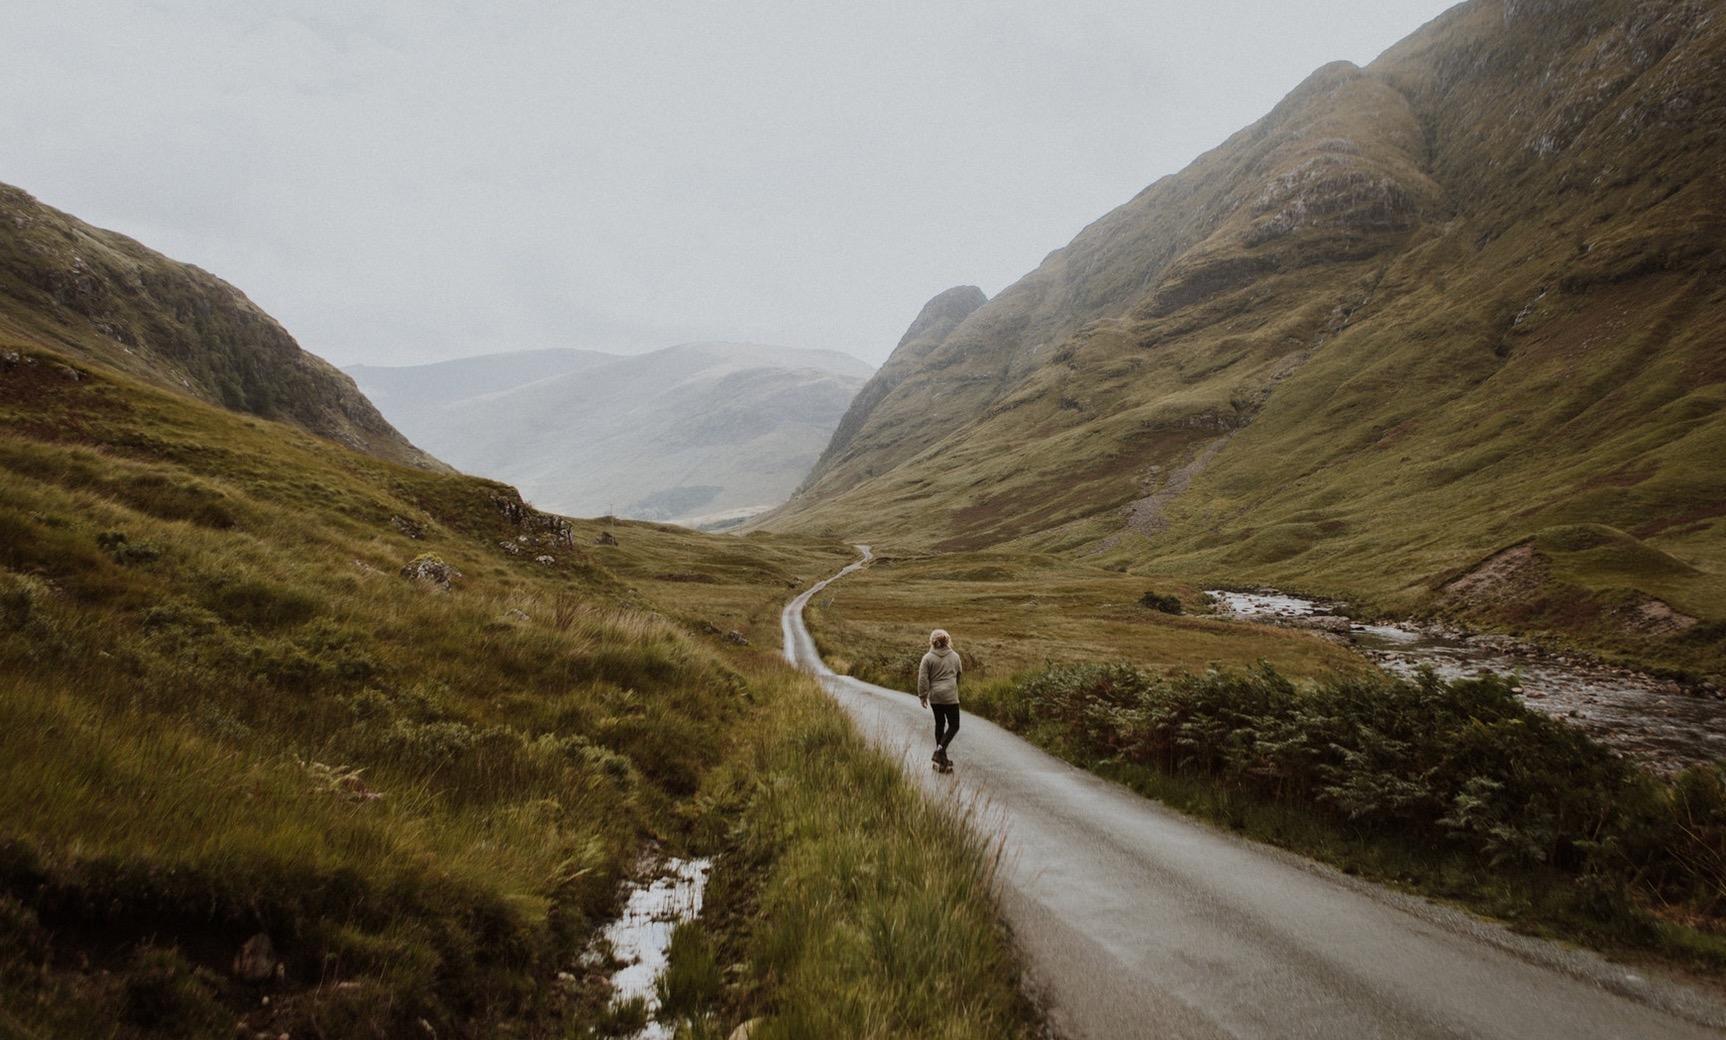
(942, 651)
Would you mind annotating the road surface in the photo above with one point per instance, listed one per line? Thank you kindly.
(1137, 921)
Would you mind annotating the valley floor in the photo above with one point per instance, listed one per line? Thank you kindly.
(1212, 716)
(1131, 913)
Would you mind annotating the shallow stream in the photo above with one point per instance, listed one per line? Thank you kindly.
(1652, 719)
(641, 935)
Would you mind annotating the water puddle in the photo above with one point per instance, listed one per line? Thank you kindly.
(1656, 721)
(641, 935)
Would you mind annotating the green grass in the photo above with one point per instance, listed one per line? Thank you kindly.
(223, 712)
(1012, 612)
(869, 909)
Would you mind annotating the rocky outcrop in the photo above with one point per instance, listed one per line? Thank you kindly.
(429, 569)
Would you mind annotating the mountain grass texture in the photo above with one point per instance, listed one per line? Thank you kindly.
(1464, 299)
(226, 713)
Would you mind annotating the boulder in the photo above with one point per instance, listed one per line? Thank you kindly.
(605, 538)
(737, 638)
(545, 560)
(430, 569)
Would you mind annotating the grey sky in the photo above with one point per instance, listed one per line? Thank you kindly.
(408, 180)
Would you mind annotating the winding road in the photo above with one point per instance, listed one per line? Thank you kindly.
(1137, 921)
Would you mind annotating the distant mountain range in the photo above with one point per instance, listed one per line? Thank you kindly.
(1466, 298)
(703, 433)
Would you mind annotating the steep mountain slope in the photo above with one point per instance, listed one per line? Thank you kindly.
(95, 295)
(1466, 298)
(692, 431)
(937, 320)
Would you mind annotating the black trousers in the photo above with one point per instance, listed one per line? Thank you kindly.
(946, 723)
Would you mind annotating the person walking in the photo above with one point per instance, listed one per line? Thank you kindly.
(938, 687)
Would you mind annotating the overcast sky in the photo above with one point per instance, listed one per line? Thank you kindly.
(411, 180)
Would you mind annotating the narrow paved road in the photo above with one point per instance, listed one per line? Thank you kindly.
(1137, 921)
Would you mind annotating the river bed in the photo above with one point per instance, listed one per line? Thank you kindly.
(1656, 721)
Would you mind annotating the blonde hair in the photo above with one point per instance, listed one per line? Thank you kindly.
(939, 638)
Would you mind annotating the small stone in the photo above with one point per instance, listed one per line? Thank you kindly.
(430, 569)
(545, 560)
(746, 1030)
(256, 960)
(605, 538)
(736, 638)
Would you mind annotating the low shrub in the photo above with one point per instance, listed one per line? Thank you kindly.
(125, 552)
(1449, 767)
(1154, 600)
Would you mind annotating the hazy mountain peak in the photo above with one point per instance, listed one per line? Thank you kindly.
(686, 432)
(942, 314)
(946, 311)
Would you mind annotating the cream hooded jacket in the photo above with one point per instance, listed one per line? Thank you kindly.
(938, 676)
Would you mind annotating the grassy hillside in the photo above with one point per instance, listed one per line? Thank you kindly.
(1465, 300)
(225, 711)
(99, 296)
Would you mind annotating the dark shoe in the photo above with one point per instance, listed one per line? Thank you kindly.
(941, 756)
